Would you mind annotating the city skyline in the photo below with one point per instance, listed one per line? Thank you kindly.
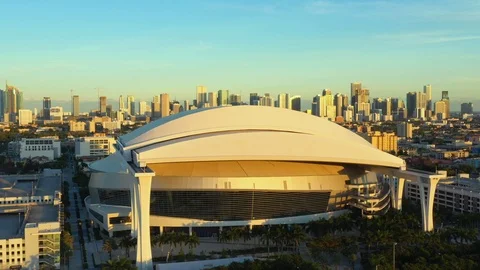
(242, 46)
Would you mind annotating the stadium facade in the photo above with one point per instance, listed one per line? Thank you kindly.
(212, 168)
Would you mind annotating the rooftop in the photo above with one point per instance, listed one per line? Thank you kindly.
(10, 225)
(43, 213)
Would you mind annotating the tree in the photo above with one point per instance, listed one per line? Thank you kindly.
(66, 243)
(109, 246)
(297, 235)
(119, 264)
(128, 242)
(192, 242)
(266, 237)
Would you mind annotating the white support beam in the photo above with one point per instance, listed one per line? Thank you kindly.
(142, 190)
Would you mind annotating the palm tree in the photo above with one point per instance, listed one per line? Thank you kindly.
(267, 237)
(109, 245)
(119, 264)
(128, 242)
(223, 238)
(192, 241)
(171, 238)
(297, 235)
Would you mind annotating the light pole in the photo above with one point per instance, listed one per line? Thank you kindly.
(394, 244)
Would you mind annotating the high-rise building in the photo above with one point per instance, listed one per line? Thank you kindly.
(24, 117)
(446, 100)
(235, 99)
(164, 105)
(186, 105)
(222, 97)
(348, 113)
(142, 107)
(2, 101)
(295, 103)
(121, 104)
(317, 104)
(212, 99)
(131, 105)
(405, 130)
(427, 89)
(47, 104)
(201, 96)
(109, 110)
(354, 89)
(441, 110)
(327, 99)
(102, 104)
(13, 100)
(254, 98)
(266, 100)
(466, 108)
(75, 105)
(411, 104)
(283, 101)
(384, 141)
(175, 107)
(339, 103)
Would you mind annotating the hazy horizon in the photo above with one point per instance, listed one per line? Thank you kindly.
(298, 47)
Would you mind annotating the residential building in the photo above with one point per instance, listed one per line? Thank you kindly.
(102, 105)
(405, 130)
(75, 106)
(164, 105)
(24, 117)
(283, 101)
(296, 103)
(223, 98)
(47, 104)
(384, 141)
(201, 96)
(466, 108)
(212, 99)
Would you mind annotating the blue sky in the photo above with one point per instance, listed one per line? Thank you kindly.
(300, 47)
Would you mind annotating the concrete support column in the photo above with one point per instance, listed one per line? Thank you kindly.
(161, 229)
(132, 208)
(190, 231)
(427, 201)
(399, 193)
(142, 211)
(432, 187)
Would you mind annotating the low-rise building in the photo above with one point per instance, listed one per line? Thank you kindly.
(43, 147)
(94, 146)
(76, 126)
(451, 154)
(30, 214)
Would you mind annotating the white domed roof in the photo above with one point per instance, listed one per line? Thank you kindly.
(250, 133)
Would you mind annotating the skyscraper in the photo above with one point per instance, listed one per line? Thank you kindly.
(327, 101)
(103, 104)
(427, 89)
(295, 103)
(142, 107)
(235, 99)
(338, 101)
(75, 105)
(2, 101)
(466, 108)
(446, 99)
(47, 104)
(317, 104)
(24, 117)
(266, 100)
(13, 99)
(354, 89)
(201, 96)
(186, 105)
(212, 99)
(121, 104)
(254, 98)
(131, 105)
(411, 104)
(164, 105)
(441, 109)
(222, 97)
(283, 101)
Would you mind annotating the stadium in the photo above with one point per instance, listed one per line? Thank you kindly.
(207, 169)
